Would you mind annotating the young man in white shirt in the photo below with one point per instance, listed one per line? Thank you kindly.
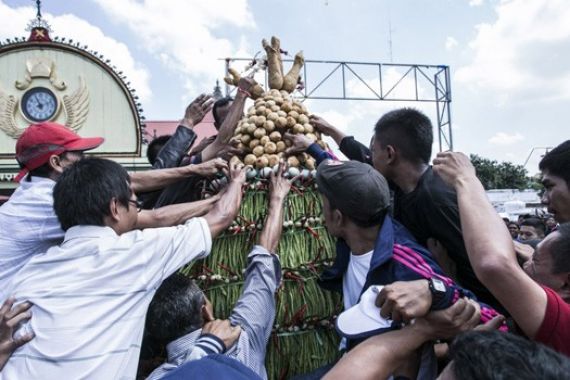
(91, 293)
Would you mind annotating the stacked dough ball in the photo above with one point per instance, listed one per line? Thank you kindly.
(260, 132)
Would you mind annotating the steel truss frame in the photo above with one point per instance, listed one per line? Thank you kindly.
(384, 82)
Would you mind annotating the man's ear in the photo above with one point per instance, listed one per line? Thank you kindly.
(55, 163)
(338, 218)
(114, 210)
(390, 154)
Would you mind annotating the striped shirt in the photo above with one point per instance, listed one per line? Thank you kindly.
(254, 312)
(91, 295)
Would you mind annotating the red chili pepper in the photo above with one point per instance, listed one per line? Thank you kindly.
(313, 232)
(227, 269)
(298, 316)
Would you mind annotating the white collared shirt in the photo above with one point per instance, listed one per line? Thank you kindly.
(28, 226)
(91, 295)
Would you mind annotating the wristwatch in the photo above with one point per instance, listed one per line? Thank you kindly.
(438, 290)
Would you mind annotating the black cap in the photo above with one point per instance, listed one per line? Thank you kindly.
(355, 188)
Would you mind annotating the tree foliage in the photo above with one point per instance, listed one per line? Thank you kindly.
(502, 175)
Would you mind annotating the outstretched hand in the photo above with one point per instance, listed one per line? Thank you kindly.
(462, 316)
(199, 107)
(402, 301)
(223, 330)
(237, 173)
(10, 318)
(299, 143)
(279, 186)
(211, 167)
(453, 167)
(322, 125)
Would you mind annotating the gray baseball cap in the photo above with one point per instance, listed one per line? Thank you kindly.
(355, 188)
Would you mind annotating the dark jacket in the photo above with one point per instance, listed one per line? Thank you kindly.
(398, 257)
(169, 156)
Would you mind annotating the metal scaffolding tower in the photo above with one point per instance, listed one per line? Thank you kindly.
(336, 80)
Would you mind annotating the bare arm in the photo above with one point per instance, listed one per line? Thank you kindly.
(279, 188)
(229, 124)
(327, 128)
(378, 357)
(490, 247)
(150, 180)
(173, 215)
(226, 209)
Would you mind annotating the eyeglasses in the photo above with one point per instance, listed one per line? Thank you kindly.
(137, 203)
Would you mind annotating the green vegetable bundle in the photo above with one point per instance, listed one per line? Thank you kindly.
(303, 337)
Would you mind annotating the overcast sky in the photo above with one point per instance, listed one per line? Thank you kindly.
(509, 60)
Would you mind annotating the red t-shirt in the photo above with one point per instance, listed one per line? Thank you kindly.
(555, 329)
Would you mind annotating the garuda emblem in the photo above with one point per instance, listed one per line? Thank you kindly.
(40, 103)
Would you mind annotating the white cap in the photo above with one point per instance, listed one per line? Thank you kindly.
(364, 317)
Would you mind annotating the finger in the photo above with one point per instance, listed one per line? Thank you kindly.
(386, 309)
(396, 315)
(6, 306)
(18, 319)
(20, 308)
(295, 178)
(381, 297)
(288, 136)
(491, 325)
(21, 340)
(281, 168)
(475, 318)
(457, 308)
(208, 104)
(466, 314)
(202, 98)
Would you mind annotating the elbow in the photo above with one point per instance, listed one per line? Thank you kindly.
(488, 271)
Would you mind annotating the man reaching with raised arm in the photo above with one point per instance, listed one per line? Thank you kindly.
(91, 293)
(181, 317)
(537, 297)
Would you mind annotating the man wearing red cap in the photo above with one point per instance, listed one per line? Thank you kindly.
(28, 223)
(27, 220)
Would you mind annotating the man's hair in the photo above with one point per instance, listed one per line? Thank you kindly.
(155, 146)
(513, 224)
(535, 222)
(43, 171)
(557, 161)
(409, 131)
(175, 310)
(83, 193)
(560, 249)
(493, 355)
(220, 103)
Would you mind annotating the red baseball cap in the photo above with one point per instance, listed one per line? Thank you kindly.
(40, 141)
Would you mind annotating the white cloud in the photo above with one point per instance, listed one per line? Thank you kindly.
(14, 21)
(523, 54)
(502, 138)
(185, 35)
(450, 43)
(475, 3)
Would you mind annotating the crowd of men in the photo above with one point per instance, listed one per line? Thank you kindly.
(428, 271)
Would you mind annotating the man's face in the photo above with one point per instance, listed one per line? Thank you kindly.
(222, 113)
(556, 197)
(529, 233)
(540, 266)
(379, 157)
(128, 215)
(514, 230)
(328, 215)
